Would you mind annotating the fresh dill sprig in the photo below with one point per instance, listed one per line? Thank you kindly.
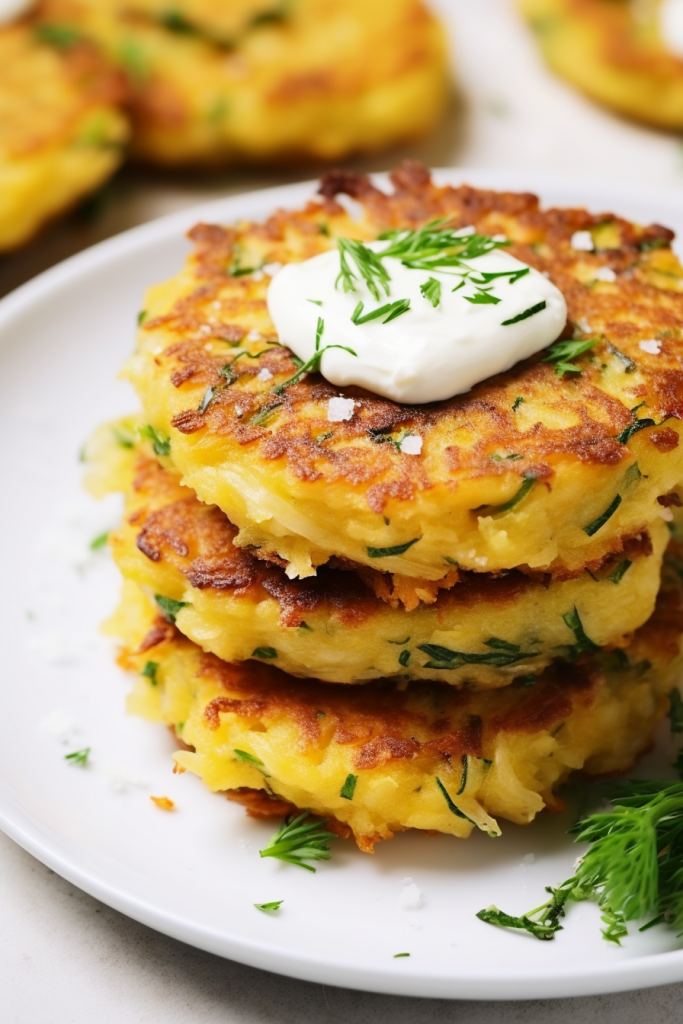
(632, 869)
(391, 309)
(79, 757)
(368, 264)
(431, 290)
(313, 364)
(298, 841)
(160, 444)
(563, 354)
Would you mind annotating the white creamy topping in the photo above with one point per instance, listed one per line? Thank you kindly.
(441, 346)
(652, 346)
(671, 26)
(11, 9)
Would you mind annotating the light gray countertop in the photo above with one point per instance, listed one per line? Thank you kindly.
(67, 958)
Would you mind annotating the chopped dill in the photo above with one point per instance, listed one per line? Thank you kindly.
(298, 841)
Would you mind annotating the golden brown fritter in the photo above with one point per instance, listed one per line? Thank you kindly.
(61, 134)
(423, 756)
(265, 80)
(484, 632)
(601, 446)
(614, 52)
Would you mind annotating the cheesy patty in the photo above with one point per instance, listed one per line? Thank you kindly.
(266, 80)
(530, 469)
(61, 134)
(613, 52)
(382, 758)
(483, 632)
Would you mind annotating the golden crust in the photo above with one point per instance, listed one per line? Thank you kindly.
(335, 627)
(613, 52)
(501, 753)
(61, 134)
(263, 81)
(306, 489)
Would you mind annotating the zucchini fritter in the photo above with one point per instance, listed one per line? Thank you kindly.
(264, 80)
(612, 51)
(425, 756)
(530, 469)
(484, 632)
(61, 134)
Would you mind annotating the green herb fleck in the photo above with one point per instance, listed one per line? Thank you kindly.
(79, 757)
(463, 775)
(316, 302)
(517, 402)
(100, 541)
(528, 483)
(618, 573)
(397, 955)
(531, 311)
(629, 365)
(583, 643)
(275, 905)
(500, 655)
(298, 841)
(451, 806)
(150, 671)
(404, 658)
(431, 290)
(398, 549)
(264, 652)
(593, 527)
(206, 400)
(255, 762)
(260, 418)
(392, 309)
(124, 437)
(141, 316)
(168, 607)
(349, 787)
(482, 297)
(638, 424)
(62, 37)
(313, 364)
(562, 354)
(161, 445)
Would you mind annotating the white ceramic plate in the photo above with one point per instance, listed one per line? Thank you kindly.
(195, 874)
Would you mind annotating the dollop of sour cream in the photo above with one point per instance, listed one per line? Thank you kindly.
(671, 26)
(441, 346)
(11, 9)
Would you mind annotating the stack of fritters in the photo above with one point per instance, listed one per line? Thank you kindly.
(398, 641)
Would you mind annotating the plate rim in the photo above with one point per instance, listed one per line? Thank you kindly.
(637, 972)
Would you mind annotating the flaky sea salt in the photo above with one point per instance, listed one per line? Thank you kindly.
(651, 346)
(120, 779)
(411, 445)
(264, 374)
(340, 409)
(605, 274)
(411, 897)
(58, 724)
(583, 241)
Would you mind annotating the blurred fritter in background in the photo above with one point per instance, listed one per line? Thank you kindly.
(116, 111)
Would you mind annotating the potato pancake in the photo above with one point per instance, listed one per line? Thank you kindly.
(530, 469)
(613, 52)
(382, 758)
(484, 632)
(61, 134)
(212, 84)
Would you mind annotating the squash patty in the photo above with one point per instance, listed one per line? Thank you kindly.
(482, 633)
(61, 134)
(612, 51)
(423, 756)
(217, 83)
(586, 459)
